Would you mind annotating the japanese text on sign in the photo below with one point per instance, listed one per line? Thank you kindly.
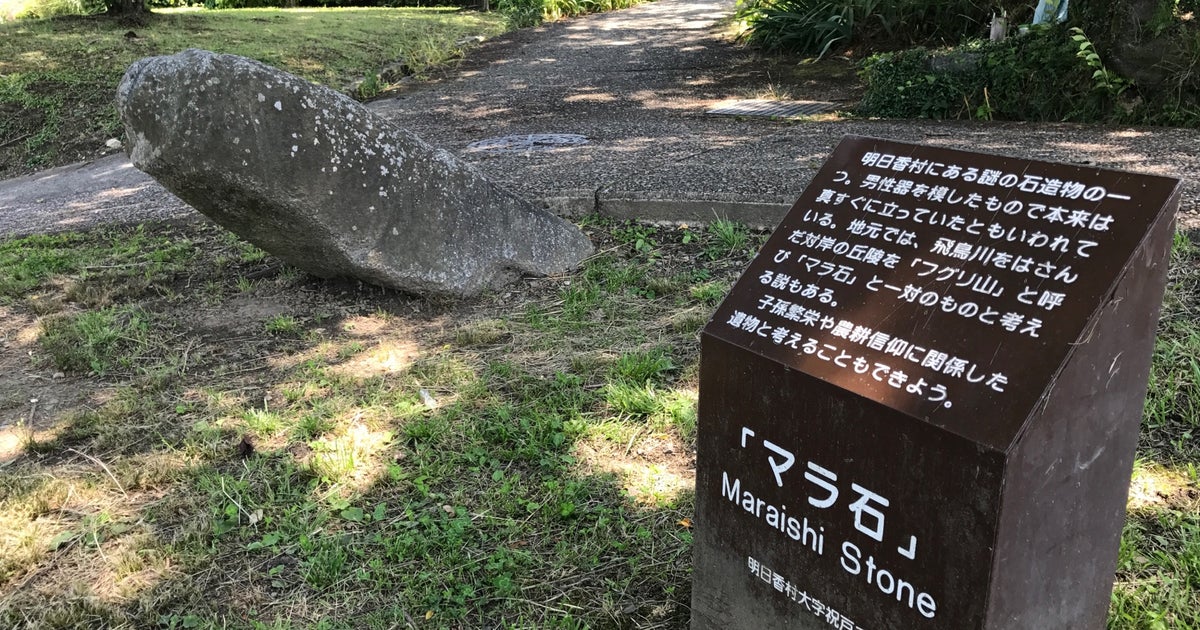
(950, 239)
(825, 488)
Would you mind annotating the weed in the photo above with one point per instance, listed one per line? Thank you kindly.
(481, 333)
(262, 422)
(1102, 78)
(639, 236)
(731, 238)
(1172, 412)
(370, 87)
(710, 293)
(95, 341)
(283, 325)
(657, 287)
(820, 27)
(325, 560)
(250, 253)
(643, 366)
(350, 349)
(638, 401)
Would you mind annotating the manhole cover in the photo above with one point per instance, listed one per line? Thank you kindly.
(772, 108)
(527, 142)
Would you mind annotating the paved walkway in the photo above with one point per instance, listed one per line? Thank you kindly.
(636, 83)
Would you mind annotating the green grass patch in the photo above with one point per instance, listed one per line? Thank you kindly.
(521, 460)
(1158, 567)
(95, 341)
(58, 77)
(1158, 570)
(27, 263)
(1172, 412)
(93, 272)
(372, 466)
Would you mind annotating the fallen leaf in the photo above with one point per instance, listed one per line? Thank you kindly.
(687, 522)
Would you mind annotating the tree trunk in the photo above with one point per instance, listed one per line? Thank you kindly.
(127, 7)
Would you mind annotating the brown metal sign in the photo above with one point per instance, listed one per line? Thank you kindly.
(866, 386)
(944, 284)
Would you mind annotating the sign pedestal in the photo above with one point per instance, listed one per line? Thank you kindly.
(919, 405)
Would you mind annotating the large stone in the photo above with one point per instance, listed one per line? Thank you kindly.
(325, 184)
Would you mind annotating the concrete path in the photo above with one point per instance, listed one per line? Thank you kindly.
(636, 84)
(108, 190)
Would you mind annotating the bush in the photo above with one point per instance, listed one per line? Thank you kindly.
(1049, 74)
(818, 27)
(1037, 76)
(1169, 87)
(523, 13)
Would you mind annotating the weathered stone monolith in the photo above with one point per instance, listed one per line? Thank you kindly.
(322, 182)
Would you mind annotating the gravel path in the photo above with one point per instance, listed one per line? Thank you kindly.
(636, 84)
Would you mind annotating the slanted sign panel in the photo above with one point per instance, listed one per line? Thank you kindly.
(866, 380)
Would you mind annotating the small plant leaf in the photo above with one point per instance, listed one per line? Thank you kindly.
(62, 539)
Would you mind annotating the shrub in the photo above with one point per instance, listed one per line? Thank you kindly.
(1038, 76)
(523, 13)
(1048, 74)
(1171, 95)
(818, 27)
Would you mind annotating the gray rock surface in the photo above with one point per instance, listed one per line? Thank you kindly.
(325, 184)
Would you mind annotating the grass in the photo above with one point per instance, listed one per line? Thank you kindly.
(58, 77)
(1158, 574)
(240, 458)
(307, 454)
(95, 341)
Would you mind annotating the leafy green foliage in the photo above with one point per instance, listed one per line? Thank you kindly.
(819, 27)
(1102, 78)
(524, 13)
(1048, 74)
(283, 325)
(638, 236)
(1033, 77)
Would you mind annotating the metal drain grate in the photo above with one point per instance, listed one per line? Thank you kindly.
(527, 142)
(772, 108)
